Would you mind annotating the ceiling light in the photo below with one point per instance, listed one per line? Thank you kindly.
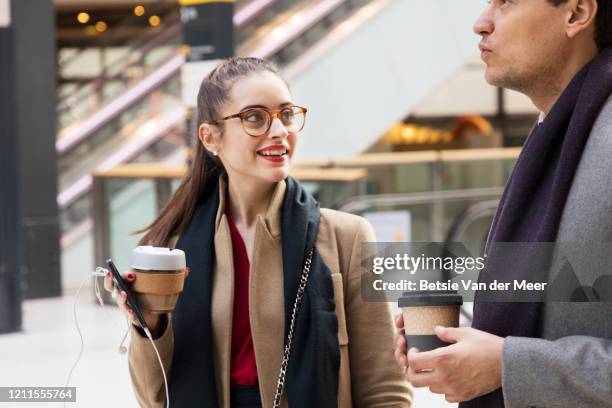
(139, 10)
(154, 21)
(83, 17)
(101, 26)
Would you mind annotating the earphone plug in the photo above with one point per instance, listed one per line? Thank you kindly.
(122, 348)
(100, 272)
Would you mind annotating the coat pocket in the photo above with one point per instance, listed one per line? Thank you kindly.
(339, 302)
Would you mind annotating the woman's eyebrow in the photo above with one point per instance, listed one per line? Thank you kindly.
(265, 107)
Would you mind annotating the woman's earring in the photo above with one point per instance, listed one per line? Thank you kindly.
(214, 152)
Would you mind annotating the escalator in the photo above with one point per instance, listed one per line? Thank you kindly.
(117, 131)
(320, 49)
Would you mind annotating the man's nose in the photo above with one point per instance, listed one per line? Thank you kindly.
(484, 25)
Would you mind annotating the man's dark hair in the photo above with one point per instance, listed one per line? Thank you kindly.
(603, 22)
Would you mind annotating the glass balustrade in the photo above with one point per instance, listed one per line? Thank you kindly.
(124, 204)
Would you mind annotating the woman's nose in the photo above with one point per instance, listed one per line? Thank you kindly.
(277, 129)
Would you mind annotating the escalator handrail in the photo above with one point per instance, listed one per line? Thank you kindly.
(242, 17)
(74, 136)
(83, 184)
(249, 12)
(316, 14)
(70, 137)
(130, 60)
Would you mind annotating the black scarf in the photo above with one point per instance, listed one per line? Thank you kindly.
(312, 374)
(532, 204)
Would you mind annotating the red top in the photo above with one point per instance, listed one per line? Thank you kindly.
(243, 370)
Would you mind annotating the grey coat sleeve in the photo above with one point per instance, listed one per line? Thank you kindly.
(573, 371)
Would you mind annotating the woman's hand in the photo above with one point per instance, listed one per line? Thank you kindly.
(152, 319)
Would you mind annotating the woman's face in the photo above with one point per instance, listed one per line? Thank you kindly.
(263, 158)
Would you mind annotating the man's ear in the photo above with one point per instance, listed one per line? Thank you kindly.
(207, 134)
(581, 17)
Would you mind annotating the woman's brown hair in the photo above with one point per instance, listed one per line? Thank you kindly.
(214, 91)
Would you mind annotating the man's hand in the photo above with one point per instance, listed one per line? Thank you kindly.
(466, 369)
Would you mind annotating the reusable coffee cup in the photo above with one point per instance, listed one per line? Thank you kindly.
(423, 311)
(160, 275)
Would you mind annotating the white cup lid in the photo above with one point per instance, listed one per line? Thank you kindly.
(148, 258)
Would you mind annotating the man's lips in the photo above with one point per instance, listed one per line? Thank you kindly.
(484, 47)
(484, 51)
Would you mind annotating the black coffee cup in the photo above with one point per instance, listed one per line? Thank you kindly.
(423, 311)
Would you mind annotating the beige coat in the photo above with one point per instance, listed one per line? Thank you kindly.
(369, 375)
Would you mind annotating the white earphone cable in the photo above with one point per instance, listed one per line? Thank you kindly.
(76, 324)
(161, 366)
(101, 272)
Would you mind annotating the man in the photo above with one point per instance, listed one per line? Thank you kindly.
(559, 54)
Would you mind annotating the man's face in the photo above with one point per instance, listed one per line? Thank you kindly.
(523, 42)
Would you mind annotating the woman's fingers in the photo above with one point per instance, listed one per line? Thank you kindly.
(109, 285)
(125, 308)
(399, 321)
(108, 282)
(121, 297)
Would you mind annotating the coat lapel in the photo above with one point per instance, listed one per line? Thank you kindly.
(266, 304)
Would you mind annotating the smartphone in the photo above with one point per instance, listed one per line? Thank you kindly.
(122, 286)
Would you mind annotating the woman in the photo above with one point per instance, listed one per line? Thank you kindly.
(247, 230)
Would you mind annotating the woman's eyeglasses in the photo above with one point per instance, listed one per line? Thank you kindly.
(257, 121)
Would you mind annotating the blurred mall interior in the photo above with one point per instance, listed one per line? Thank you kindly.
(96, 132)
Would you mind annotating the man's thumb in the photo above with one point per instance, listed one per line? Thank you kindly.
(447, 334)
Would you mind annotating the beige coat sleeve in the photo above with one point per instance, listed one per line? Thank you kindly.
(144, 366)
(377, 379)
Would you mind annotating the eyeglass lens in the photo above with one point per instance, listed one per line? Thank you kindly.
(257, 121)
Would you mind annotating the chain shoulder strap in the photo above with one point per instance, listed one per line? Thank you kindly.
(280, 384)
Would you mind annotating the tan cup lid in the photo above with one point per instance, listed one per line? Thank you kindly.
(149, 258)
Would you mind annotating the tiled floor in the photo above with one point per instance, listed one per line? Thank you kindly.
(42, 354)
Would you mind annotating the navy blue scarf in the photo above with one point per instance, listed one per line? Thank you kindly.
(532, 204)
(312, 374)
